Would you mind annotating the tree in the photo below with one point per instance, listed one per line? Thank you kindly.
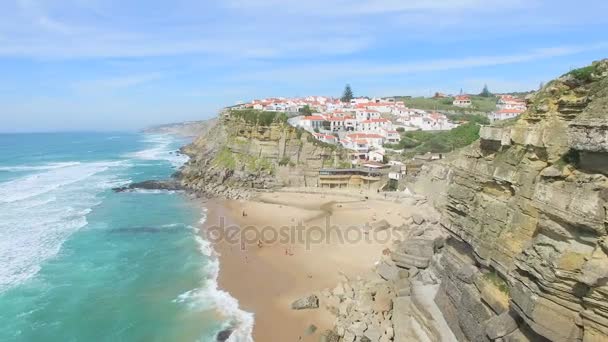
(348, 94)
(541, 85)
(306, 110)
(485, 92)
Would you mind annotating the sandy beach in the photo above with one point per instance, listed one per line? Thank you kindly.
(277, 265)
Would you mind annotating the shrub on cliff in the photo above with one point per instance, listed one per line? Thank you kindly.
(259, 117)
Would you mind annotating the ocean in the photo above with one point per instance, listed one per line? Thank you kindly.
(79, 262)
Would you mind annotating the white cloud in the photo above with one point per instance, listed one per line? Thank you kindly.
(332, 71)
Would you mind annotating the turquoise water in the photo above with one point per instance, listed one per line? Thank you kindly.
(82, 263)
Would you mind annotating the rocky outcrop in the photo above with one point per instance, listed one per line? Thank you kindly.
(234, 157)
(526, 210)
(310, 302)
(168, 185)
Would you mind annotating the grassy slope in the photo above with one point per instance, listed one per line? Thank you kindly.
(480, 104)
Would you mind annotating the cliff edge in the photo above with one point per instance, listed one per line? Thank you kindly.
(526, 210)
(240, 153)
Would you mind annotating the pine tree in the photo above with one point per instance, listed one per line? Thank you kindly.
(348, 94)
(485, 92)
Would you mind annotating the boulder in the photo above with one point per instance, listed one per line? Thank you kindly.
(387, 271)
(329, 336)
(380, 225)
(501, 325)
(383, 301)
(357, 328)
(419, 247)
(418, 219)
(410, 261)
(372, 334)
(310, 302)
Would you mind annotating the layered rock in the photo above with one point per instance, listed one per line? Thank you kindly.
(526, 208)
(234, 157)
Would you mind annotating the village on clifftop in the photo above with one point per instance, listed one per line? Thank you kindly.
(365, 125)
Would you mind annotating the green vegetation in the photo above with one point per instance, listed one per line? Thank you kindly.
(326, 125)
(306, 110)
(224, 158)
(319, 143)
(485, 92)
(262, 118)
(348, 94)
(254, 164)
(493, 278)
(505, 123)
(285, 161)
(440, 142)
(479, 104)
(480, 119)
(583, 74)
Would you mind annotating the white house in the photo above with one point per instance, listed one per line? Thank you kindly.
(504, 114)
(462, 101)
(391, 136)
(510, 102)
(372, 140)
(326, 138)
(375, 125)
(376, 155)
(337, 124)
(311, 122)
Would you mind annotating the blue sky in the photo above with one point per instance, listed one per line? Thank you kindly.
(113, 65)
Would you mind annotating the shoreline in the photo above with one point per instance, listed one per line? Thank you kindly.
(267, 277)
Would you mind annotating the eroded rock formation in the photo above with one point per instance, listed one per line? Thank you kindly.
(234, 157)
(526, 209)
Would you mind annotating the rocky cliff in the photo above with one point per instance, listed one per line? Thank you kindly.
(235, 156)
(526, 210)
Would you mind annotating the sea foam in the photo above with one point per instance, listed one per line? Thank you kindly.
(160, 149)
(210, 295)
(38, 212)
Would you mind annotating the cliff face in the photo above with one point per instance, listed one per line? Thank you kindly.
(526, 208)
(235, 156)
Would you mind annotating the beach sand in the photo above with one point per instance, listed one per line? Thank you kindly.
(267, 279)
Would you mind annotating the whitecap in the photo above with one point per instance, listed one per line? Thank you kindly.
(209, 295)
(49, 166)
(39, 212)
(161, 149)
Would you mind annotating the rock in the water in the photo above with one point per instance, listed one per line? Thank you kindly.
(310, 302)
(223, 335)
(171, 184)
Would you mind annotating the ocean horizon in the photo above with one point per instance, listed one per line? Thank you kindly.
(82, 262)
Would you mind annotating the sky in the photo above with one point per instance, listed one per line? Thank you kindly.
(124, 65)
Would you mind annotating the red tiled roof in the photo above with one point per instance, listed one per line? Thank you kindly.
(314, 118)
